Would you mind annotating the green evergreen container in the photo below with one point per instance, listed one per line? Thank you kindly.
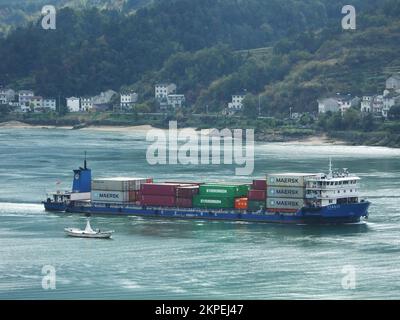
(224, 190)
(255, 205)
(209, 202)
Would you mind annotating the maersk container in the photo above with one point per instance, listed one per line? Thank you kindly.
(118, 184)
(110, 196)
(285, 192)
(220, 190)
(255, 205)
(284, 203)
(210, 202)
(159, 201)
(259, 184)
(184, 202)
(159, 189)
(288, 179)
(257, 195)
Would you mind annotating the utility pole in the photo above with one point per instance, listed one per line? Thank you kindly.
(59, 104)
(259, 105)
(290, 112)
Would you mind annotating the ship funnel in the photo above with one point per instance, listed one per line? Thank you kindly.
(82, 179)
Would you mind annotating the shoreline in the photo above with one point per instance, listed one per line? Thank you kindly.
(319, 139)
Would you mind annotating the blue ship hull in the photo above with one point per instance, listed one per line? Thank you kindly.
(333, 214)
(55, 206)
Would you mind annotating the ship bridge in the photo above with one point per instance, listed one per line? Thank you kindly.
(333, 188)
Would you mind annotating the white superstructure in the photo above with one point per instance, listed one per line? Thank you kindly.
(332, 188)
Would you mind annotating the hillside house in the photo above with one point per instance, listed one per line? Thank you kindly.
(337, 103)
(393, 82)
(86, 103)
(128, 99)
(24, 97)
(6, 96)
(49, 104)
(237, 103)
(162, 90)
(176, 100)
(73, 104)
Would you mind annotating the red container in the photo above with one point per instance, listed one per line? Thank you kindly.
(241, 203)
(184, 203)
(162, 201)
(187, 192)
(257, 195)
(259, 184)
(158, 189)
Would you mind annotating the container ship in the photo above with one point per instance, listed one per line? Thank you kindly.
(297, 198)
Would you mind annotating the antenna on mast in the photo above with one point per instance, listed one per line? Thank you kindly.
(330, 167)
(85, 162)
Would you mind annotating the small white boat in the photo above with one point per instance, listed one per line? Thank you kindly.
(88, 232)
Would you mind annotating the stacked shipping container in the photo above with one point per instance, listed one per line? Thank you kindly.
(158, 194)
(257, 195)
(117, 190)
(185, 194)
(286, 192)
(219, 196)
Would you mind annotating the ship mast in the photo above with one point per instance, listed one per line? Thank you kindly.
(330, 174)
(85, 162)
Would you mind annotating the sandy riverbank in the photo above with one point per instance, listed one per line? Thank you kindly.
(313, 140)
(22, 125)
(318, 140)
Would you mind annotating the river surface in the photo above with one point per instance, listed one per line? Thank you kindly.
(165, 259)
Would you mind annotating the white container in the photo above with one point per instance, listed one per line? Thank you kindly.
(286, 192)
(284, 203)
(77, 196)
(288, 179)
(118, 184)
(110, 196)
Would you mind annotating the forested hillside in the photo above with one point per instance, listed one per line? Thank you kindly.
(289, 52)
(14, 13)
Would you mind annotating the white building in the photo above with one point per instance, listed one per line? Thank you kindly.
(328, 105)
(49, 104)
(176, 100)
(103, 101)
(366, 104)
(6, 96)
(86, 103)
(36, 102)
(393, 82)
(24, 97)
(377, 105)
(73, 104)
(128, 99)
(237, 103)
(337, 103)
(162, 90)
